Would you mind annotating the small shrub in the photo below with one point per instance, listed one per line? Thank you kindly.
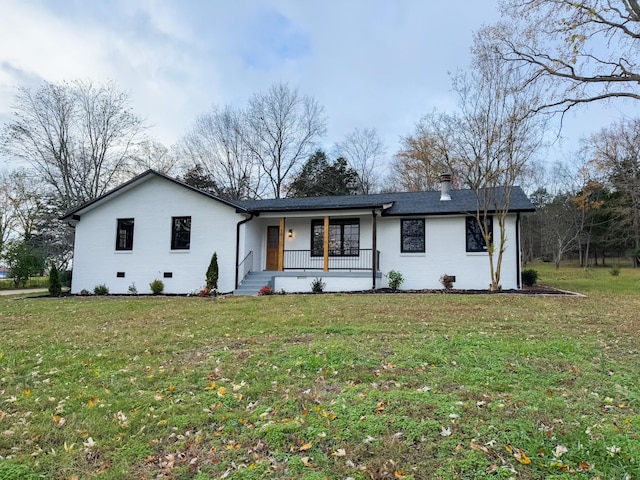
(100, 290)
(266, 290)
(447, 281)
(615, 271)
(317, 285)
(395, 279)
(55, 285)
(133, 289)
(157, 286)
(529, 277)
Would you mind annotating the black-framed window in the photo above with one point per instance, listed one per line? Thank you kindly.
(124, 234)
(475, 240)
(344, 237)
(180, 233)
(412, 235)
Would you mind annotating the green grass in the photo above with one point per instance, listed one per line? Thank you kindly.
(326, 386)
(34, 282)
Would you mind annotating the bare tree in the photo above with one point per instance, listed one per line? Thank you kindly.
(7, 212)
(558, 226)
(77, 136)
(489, 142)
(363, 150)
(420, 161)
(26, 195)
(151, 154)
(582, 51)
(216, 144)
(282, 130)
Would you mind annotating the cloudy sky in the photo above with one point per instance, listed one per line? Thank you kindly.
(371, 63)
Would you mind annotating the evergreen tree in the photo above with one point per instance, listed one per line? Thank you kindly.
(212, 273)
(55, 285)
(319, 177)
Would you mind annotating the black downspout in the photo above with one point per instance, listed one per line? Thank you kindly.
(518, 250)
(374, 250)
(238, 244)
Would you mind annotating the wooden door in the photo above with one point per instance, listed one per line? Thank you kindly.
(273, 245)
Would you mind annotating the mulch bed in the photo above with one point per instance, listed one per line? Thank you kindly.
(534, 290)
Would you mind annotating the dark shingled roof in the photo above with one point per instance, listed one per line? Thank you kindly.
(405, 203)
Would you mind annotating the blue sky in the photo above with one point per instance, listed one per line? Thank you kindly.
(371, 63)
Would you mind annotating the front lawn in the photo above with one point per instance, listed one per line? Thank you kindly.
(326, 386)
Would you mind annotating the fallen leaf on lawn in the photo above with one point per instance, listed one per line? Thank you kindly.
(584, 467)
(381, 406)
(475, 446)
(339, 452)
(519, 455)
(559, 451)
(59, 420)
(306, 446)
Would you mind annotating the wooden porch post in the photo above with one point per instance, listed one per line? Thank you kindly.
(326, 244)
(281, 246)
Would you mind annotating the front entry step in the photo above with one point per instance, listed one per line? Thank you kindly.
(253, 282)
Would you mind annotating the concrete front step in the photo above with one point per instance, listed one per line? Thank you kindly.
(253, 282)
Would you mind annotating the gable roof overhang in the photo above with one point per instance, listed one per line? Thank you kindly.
(76, 213)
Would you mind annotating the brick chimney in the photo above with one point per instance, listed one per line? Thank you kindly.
(445, 187)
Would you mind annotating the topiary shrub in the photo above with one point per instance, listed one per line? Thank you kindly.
(101, 290)
(212, 273)
(55, 285)
(395, 279)
(157, 286)
(529, 277)
(317, 285)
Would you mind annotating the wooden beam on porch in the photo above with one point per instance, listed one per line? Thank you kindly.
(281, 246)
(326, 244)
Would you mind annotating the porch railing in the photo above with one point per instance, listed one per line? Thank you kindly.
(303, 260)
(245, 266)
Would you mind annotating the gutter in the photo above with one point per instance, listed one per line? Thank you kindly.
(239, 224)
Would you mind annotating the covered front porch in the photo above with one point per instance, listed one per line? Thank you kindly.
(292, 251)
